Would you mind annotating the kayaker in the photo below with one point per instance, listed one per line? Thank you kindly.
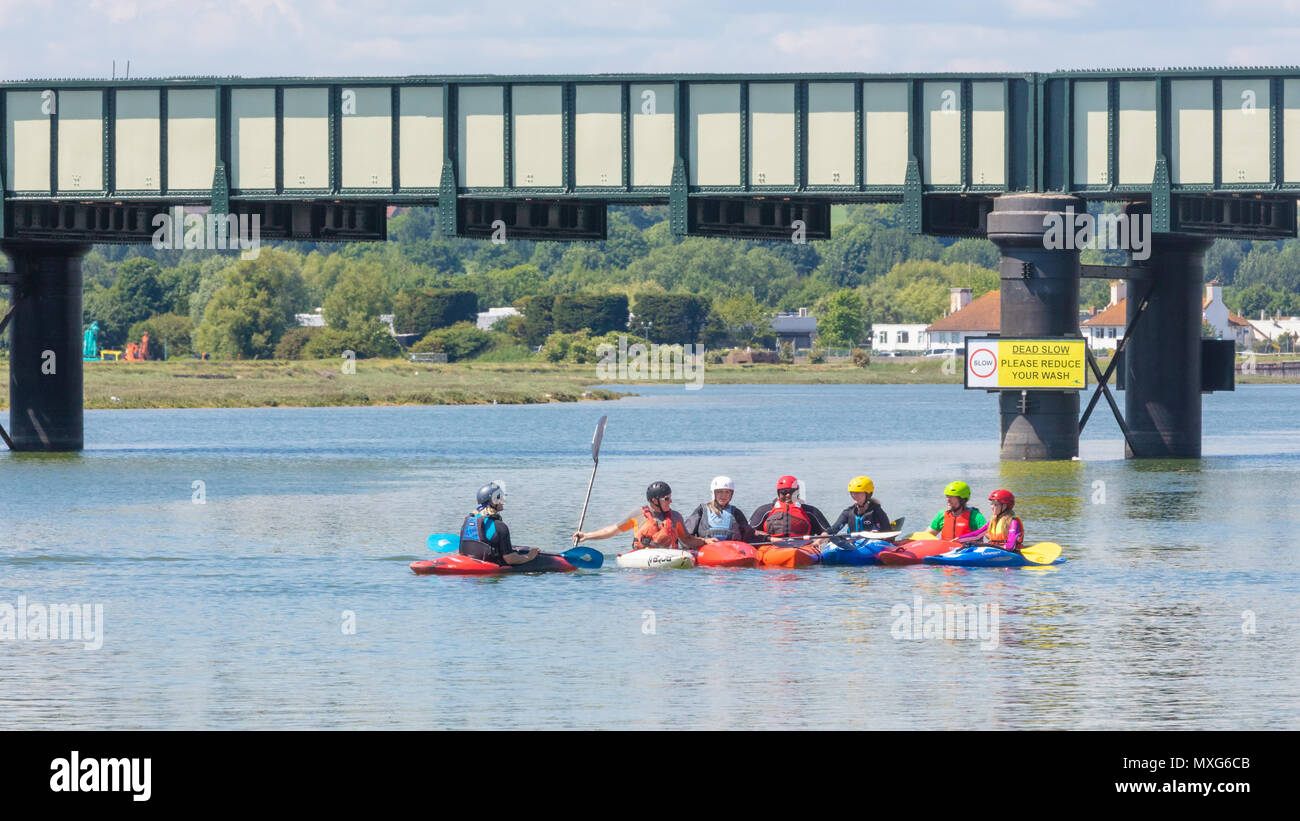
(865, 514)
(788, 516)
(718, 519)
(1005, 530)
(959, 519)
(485, 537)
(656, 525)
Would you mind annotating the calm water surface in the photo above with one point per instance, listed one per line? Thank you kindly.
(231, 614)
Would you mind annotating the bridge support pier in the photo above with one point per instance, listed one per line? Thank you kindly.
(1162, 360)
(45, 378)
(1040, 297)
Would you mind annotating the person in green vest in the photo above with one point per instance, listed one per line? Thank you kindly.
(959, 518)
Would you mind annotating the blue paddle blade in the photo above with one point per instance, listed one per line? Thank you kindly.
(584, 557)
(444, 542)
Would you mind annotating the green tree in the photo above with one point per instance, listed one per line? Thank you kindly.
(425, 309)
(249, 313)
(674, 319)
(974, 251)
(460, 341)
(136, 294)
(599, 313)
(743, 317)
(539, 323)
(359, 296)
(841, 323)
(168, 333)
(918, 290)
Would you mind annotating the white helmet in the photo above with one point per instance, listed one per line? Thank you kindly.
(722, 483)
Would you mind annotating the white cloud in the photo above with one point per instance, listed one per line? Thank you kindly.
(1049, 9)
(345, 37)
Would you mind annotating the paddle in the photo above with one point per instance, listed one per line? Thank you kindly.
(584, 557)
(443, 542)
(595, 459)
(873, 534)
(1041, 553)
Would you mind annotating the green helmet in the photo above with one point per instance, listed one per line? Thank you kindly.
(957, 489)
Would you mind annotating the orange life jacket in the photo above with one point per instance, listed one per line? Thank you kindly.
(955, 525)
(653, 532)
(787, 520)
(1000, 528)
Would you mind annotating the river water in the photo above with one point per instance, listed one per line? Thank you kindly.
(251, 566)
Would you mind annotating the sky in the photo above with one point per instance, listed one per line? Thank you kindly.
(161, 38)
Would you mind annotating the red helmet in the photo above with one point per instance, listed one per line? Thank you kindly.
(1006, 497)
(787, 482)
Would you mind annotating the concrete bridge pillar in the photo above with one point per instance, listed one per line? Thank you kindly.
(1040, 297)
(45, 379)
(1162, 361)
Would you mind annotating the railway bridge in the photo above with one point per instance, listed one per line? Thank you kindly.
(1192, 153)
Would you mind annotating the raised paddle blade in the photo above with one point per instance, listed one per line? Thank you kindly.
(443, 542)
(596, 437)
(1042, 553)
(897, 524)
(595, 463)
(922, 536)
(586, 558)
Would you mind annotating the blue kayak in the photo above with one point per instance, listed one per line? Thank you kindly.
(853, 552)
(983, 556)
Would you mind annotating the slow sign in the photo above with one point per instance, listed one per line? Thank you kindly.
(996, 363)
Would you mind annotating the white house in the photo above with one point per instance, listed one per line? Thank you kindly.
(312, 320)
(966, 317)
(1107, 328)
(899, 339)
(1273, 329)
(490, 317)
(1228, 324)
(1104, 329)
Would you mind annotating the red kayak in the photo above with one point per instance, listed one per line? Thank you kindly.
(457, 565)
(797, 554)
(726, 554)
(915, 552)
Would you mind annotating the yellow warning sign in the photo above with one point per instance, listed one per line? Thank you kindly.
(994, 363)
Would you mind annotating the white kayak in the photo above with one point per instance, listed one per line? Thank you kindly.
(657, 558)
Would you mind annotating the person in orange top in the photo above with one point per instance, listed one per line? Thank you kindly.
(656, 525)
(1004, 530)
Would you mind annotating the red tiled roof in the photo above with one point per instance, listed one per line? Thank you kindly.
(982, 314)
(1116, 315)
(1233, 319)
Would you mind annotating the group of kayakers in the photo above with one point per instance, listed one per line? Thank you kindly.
(485, 536)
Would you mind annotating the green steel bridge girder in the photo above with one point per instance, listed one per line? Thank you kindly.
(1208, 151)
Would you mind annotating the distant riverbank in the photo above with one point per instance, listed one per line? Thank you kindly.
(249, 384)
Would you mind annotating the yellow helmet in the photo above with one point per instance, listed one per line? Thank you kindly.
(957, 489)
(861, 484)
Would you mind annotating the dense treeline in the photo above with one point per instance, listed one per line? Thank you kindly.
(720, 292)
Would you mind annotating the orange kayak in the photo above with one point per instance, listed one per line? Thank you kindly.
(726, 554)
(915, 552)
(797, 553)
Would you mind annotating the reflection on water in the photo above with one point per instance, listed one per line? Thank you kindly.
(232, 613)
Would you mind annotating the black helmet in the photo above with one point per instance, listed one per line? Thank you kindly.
(490, 494)
(657, 490)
